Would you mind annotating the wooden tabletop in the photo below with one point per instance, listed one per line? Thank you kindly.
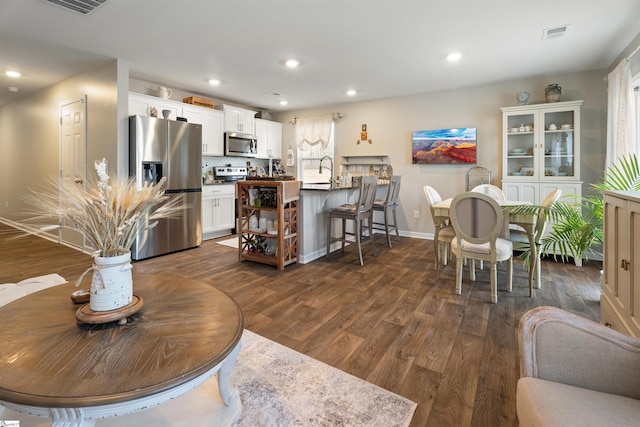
(47, 359)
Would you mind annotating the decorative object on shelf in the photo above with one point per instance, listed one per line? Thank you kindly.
(109, 214)
(552, 92)
(164, 92)
(522, 98)
(166, 113)
(153, 112)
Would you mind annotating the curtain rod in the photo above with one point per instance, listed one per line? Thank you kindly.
(334, 116)
(633, 53)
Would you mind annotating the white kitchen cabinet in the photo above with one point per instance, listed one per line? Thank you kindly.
(238, 119)
(269, 135)
(212, 122)
(218, 210)
(140, 105)
(541, 150)
(620, 300)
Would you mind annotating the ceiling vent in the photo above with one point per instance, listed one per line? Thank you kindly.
(554, 33)
(83, 7)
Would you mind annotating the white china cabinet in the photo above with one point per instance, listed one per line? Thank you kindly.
(541, 150)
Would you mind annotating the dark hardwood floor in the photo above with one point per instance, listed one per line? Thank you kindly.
(390, 322)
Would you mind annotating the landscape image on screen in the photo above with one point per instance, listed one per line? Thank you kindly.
(444, 146)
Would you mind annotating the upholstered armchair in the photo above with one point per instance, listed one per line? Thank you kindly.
(575, 372)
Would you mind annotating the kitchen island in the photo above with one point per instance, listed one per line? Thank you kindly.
(315, 199)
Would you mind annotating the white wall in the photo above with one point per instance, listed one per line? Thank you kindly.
(30, 133)
(391, 121)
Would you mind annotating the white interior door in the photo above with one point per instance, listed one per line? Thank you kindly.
(73, 156)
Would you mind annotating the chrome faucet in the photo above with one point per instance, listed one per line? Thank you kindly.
(332, 181)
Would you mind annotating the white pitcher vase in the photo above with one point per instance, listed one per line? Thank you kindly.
(112, 283)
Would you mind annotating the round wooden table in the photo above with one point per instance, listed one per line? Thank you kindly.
(52, 366)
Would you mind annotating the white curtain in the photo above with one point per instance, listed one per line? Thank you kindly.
(621, 116)
(310, 132)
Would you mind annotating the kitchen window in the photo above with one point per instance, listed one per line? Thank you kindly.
(310, 152)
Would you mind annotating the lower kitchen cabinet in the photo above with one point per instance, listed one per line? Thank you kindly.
(620, 300)
(268, 221)
(218, 210)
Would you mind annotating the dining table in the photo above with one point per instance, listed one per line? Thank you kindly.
(441, 213)
(52, 366)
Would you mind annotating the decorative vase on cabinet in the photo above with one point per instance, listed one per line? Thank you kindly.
(552, 92)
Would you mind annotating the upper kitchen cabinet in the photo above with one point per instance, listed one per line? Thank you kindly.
(269, 135)
(541, 150)
(141, 105)
(212, 122)
(238, 119)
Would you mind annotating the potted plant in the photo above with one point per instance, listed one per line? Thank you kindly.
(110, 213)
(577, 229)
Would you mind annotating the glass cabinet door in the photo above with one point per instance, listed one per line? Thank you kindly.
(520, 147)
(560, 151)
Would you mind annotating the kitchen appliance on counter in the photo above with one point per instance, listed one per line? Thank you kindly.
(173, 149)
(230, 173)
(240, 144)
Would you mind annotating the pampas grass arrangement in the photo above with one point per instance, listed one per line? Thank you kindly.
(108, 212)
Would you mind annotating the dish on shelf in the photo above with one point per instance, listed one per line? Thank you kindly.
(517, 151)
(514, 130)
(565, 127)
(562, 174)
(526, 171)
(516, 173)
(257, 230)
(272, 231)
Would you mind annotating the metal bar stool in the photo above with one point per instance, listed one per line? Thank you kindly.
(389, 203)
(358, 212)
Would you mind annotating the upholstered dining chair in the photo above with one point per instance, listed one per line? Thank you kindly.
(388, 205)
(443, 234)
(477, 221)
(358, 212)
(490, 190)
(520, 239)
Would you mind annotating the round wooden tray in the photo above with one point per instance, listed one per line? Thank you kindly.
(86, 315)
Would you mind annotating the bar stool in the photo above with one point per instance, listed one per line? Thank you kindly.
(357, 213)
(389, 203)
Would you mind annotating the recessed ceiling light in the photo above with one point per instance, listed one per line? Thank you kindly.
(454, 56)
(351, 92)
(214, 82)
(292, 63)
(284, 102)
(12, 73)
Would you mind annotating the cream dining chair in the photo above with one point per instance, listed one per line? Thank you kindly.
(443, 234)
(520, 239)
(477, 221)
(490, 190)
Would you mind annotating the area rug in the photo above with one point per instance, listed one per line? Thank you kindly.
(232, 243)
(278, 387)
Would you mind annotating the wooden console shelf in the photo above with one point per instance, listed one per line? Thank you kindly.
(277, 203)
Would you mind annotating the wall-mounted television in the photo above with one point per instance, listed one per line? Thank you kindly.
(444, 146)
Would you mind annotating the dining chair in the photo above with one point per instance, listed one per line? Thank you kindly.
(386, 205)
(358, 212)
(443, 234)
(520, 239)
(490, 190)
(477, 221)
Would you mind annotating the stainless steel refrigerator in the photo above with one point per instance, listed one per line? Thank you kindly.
(157, 148)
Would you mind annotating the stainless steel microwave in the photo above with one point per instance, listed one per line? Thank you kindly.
(240, 144)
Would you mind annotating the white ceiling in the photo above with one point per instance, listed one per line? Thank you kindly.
(382, 48)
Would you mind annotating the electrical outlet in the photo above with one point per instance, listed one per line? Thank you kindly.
(416, 214)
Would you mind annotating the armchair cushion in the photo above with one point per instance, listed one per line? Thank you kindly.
(548, 403)
(574, 371)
